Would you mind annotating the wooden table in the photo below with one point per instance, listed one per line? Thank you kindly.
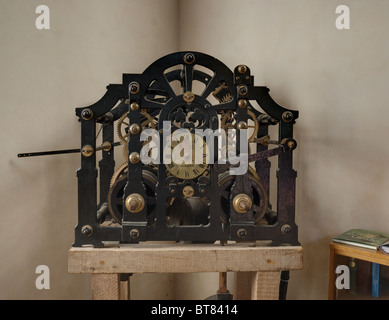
(338, 249)
(257, 268)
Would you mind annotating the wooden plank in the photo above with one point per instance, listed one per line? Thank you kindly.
(182, 258)
(125, 286)
(105, 287)
(242, 285)
(265, 285)
(360, 253)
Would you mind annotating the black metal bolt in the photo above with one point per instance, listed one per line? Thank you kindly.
(87, 114)
(134, 233)
(286, 228)
(134, 87)
(242, 90)
(189, 58)
(242, 233)
(287, 116)
(87, 230)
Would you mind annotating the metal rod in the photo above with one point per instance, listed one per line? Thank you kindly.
(65, 151)
(223, 282)
(46, 153)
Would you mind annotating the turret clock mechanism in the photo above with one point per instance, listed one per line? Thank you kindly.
(193, 190)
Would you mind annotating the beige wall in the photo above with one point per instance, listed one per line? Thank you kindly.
(45, 75)
(337, 80)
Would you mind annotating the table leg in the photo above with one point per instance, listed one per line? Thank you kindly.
(242, 285)
(106, 286)
(331, 278)
(265, 285)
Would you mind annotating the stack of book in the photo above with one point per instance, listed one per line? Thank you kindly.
(365, 239)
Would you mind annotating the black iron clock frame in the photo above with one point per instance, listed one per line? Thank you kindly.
(144, 215)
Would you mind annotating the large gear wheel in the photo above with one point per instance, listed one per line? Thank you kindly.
(254, 126)
(119, 173)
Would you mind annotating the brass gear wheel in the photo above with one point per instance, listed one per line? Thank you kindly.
(120, 172)
(222, 93)
(228, 122)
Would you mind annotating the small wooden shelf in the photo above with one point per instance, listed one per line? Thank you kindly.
(263, 263)
(338, 249)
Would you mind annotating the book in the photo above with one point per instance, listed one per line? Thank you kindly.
(365, 239)
(375, 283)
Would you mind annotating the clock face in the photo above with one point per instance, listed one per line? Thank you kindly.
(188, 155)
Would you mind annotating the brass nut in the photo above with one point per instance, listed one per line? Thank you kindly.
(241, 233)
(242, 68)
(291, 144)
(87, 114)
(87, 150)
(135, 128)
(134, 106)
(106, 146)
(188, 191)
(242, 203)
(242, 125)
(134, 157)
(189, 96)
(242, 103)
(135, 203)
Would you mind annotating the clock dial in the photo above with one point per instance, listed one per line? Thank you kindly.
(189, 157)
